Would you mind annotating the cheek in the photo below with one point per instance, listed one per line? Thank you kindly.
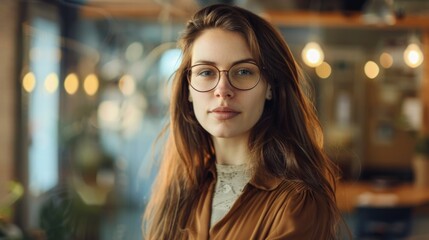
(259, 108)
(199, 106)
(256, 108)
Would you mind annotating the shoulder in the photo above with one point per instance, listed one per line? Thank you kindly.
(298, 194)
(295, 190)
(302, 210)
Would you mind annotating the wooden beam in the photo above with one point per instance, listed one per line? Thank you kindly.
(147, 11)
(338, 20)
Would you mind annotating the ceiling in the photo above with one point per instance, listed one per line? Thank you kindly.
(183, 9)
(408, 6)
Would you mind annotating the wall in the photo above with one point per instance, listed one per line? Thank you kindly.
(8, 106)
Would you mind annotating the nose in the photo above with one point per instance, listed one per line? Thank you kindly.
(224, 88)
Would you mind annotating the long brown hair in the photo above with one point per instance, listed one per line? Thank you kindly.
(286, 142)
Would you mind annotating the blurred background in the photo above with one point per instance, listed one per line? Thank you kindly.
(84, 92)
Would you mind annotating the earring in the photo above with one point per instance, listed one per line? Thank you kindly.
(190, 98)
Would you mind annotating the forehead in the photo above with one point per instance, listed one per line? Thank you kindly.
(220, 47)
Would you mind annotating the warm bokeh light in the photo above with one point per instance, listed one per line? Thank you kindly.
(324, 70)
(386, 60)
(29, 82)
(413, 56)
(127, 85)
(51, 82)
(371, 69)
(108, 113)
(91, 84)
(312, 54)
(71, 84)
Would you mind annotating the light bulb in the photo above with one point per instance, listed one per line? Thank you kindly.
(324, 70)
(386, 60)
(413, 56)
(371, 69)
(312, 54)
(29, 82)
(71, 83)
(51, 82)
(91, 84)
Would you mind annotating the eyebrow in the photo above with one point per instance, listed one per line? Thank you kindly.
(214, 63)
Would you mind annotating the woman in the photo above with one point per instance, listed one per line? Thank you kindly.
(244, 157)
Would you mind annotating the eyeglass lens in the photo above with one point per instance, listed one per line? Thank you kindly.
(242, 76)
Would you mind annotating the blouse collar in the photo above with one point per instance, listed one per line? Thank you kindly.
(262, 181)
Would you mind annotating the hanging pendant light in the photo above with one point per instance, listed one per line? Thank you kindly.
(413, 55)
(312, 54)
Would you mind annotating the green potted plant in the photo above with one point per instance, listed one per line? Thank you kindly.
(421, 162)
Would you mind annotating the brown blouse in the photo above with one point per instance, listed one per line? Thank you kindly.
(268, 208)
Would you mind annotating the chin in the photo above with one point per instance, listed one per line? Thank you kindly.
(227, 134)
(221, 134)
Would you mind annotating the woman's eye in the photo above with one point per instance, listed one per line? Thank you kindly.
(206, 73)
(244, 72)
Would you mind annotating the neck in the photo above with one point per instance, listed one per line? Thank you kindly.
(231, 151)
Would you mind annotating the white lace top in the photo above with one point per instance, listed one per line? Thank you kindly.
(231, 180)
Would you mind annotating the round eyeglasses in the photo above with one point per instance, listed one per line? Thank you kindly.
(242, 76)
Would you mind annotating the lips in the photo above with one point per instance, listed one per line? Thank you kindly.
(224, 113)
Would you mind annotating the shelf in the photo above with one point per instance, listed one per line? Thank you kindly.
(338, 20)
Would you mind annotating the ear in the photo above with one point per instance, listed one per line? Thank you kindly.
(269, 94)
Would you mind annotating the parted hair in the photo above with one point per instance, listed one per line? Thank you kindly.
(286, 142)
